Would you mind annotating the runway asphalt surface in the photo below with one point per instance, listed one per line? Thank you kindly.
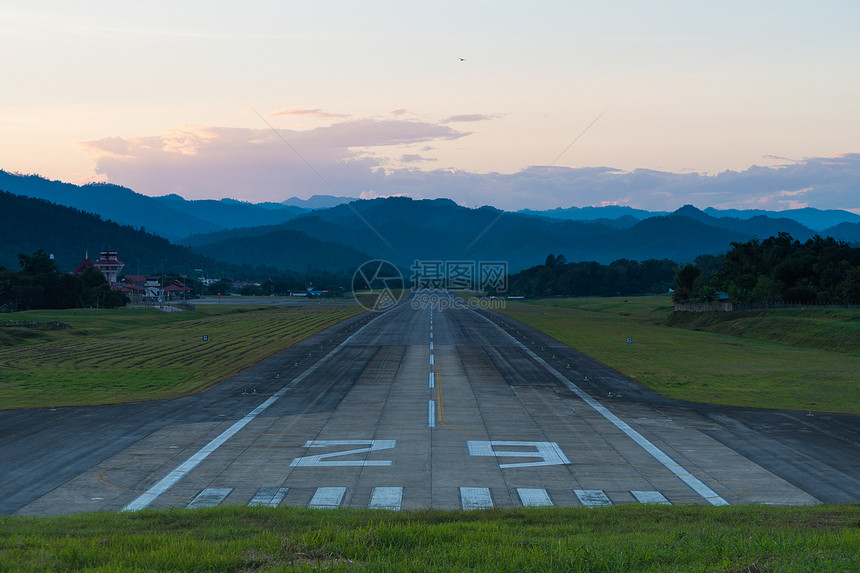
(422, 406)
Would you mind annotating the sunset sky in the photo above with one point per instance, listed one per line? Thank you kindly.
(654, 104)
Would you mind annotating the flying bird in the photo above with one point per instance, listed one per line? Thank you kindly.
(462, 59)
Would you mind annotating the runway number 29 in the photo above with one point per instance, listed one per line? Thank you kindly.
(318, 459)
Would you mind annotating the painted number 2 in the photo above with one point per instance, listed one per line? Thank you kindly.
(317, 460)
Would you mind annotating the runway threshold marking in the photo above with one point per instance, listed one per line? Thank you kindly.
(534, 497)
(145, 499)
(386, 498)
(650, 497)
(476, 498)
(592, 497)
(269, 496)
(327, 497)
(209, 497)
(693, 482)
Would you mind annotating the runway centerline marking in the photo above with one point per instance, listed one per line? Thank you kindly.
(693, 482)
(145, 499)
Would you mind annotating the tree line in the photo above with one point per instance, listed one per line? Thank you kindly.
(624, 277)
(39, 284)
(777, 269)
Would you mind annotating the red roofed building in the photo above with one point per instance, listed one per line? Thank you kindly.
(109, 265)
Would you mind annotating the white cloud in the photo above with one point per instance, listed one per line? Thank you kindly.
(347, 158)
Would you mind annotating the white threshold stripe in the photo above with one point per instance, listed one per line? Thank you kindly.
(431, 414)
(695, 483)
(534, 497)
(475, 498)
(650, 497)
(592, 497)
(145, 499)
(386, 498)
(327, 497)
(269, 496)
(209, 497)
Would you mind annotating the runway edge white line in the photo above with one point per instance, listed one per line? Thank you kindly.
(145, 499)
(695, 483)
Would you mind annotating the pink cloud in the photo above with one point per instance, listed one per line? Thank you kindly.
(315, 113)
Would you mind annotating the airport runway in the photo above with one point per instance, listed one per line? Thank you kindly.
(422, 406)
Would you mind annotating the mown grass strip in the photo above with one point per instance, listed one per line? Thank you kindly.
(626, 538)
(118, 356)
(711, 367)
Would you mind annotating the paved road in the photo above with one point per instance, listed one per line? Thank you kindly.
(422, 407)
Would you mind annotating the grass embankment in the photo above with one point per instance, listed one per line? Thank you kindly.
(627, 538)
(793, 359)
(113, 356)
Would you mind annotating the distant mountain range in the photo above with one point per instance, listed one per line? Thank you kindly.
(339, 236)
(402, 230)
(170, 216)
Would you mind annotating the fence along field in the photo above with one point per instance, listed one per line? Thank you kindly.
(108, 357)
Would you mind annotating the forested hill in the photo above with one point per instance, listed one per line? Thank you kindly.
(27, 225)
(402, 230)
(169, 216)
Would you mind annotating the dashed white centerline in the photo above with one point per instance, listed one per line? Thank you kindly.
(432, 380)
(431, 414)
(432, 360)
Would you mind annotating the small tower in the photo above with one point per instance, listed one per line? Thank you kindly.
(109, 265)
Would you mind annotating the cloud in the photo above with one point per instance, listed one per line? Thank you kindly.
(256, 164)
(355, 156)
(468, 117)
(414, 158)
(315, 113)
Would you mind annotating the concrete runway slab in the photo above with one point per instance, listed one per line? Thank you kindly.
(368, 414)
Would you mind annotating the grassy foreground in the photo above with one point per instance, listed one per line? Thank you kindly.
(785, 359)
(113, 356)
(625, 538)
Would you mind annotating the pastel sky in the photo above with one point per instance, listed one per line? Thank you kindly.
(513, 104)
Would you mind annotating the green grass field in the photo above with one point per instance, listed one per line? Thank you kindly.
(627, 538)
(113, 356)
(794, 359)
